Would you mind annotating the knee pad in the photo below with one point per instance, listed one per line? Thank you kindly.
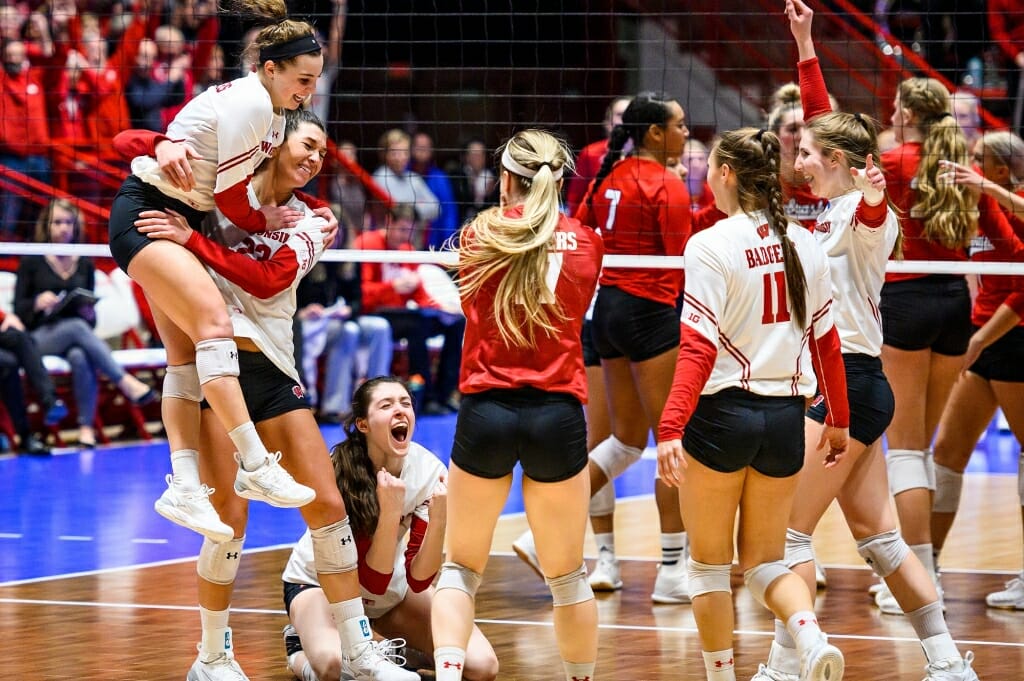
(760, 577)
(603, 503)
(218, 563)
(613, 456)
(455, 576)
(334, 548)
(799, 548)
(884, 552)
(706, 578)
(215, 358)
(571, 588)
(182, 382)
(910, 469)
(948, 486)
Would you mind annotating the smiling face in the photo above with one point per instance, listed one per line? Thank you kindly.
(388, 425)
(301, 156)
(819, 168)
(292, 83)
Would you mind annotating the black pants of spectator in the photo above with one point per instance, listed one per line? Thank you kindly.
(19, 350)
(416, 326)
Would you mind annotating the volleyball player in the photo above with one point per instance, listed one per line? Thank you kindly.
(256, 275)
(392, 487)
(757, 293)
(526, 275)
(224, 133)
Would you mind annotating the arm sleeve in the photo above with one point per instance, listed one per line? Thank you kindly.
(261, 278)
(826, 355)
(693, 368)
(134, 142)
(871, 216)
(813, 93)
(417, 532)
(371, 580)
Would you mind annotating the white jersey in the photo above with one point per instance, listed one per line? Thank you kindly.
(232, 127)
(421, 472)
(857, 256)
(736, 298)
(268, 321)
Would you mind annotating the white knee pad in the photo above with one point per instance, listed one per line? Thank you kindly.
(334, 548)
(218, 563)
(215, 358)
(460, 577)
(182, 382)
(613, 456)
(799, 548)
(760, 577)
(948, 486)
(884, 552)
(571, 588)
(706, 578)
(603, 503)
(910, 469)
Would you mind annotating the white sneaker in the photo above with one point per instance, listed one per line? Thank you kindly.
(952, 669)
(766, 673)
(819, 575)
(672, 585)
(783, 665)
(877, 586)
(888, 604)
(821, 662)
(192, 509)
(272, 484)
(223, 668)
(1012, 597)
(527, 551)
(606, 575)
(380, 661)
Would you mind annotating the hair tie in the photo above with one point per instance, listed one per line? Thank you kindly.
(860, 119)
(760, 134)
(511, 165)
(303, 44)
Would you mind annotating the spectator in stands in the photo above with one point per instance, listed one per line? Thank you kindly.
(11, 21)
(695, 160)
(321, 103)
(474, 182)
(1006, 28)
(48, 298)
(19, 352)
(147, 96)
(404, 185)
(24, 131)
(348, 192)
(967, 112)
(447, 222)
(173, 60)
(589, 160)
(101, 86)
(212, 74)
(330, 307)
(396, 292)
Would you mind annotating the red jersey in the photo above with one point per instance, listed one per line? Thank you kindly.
(588, 163)
(995, 290)
(553, 364)
(378, 291)
(24, 126)
(641, 208)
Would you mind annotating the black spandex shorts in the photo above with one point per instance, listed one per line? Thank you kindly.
(871, 400)
(134, 197)
(629, 326)
(590, 356)
(291, 590)
(932, 312)
(545, 432)
(1004, 359)
(267, 390)
(734, 428)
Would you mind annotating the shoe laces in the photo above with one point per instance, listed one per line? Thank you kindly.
(389, 650)
(949, 664)
(271, 472)
(1015, 584)
(225, 662)
(201, 494)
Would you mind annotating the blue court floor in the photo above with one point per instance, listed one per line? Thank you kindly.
(80, 511)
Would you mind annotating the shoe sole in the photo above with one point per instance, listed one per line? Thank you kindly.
(179, 519)
(827, 667)
(1017, 605)
(669, 600)
(528, 559)
(606, 586)
(253, 495)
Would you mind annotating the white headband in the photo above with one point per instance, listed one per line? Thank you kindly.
(511, 164)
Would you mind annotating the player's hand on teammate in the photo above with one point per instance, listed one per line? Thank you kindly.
(330, 230)
(836, 441)
(158, 224)
(280, 217)
(870, 181)
(671, 462)
(173, 159)
(951, 172)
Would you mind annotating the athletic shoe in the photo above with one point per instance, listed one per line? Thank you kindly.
(887, 603)
(380, 661)
(192, 509)
(272, 484)
(819, 575)
(55, 413)
(783, 665)
(672, 585)
(223, 668)
(1012, 597)
(527, 551)
(821, 662)
(606, 575)
(876, 587)
(766, 673)
(952, 669)
(292, 643)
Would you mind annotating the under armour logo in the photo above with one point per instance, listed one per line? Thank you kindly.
(231, 555)
(458, 665)
(578, 678)
(804, 623)
(345, 540)
(723, 663)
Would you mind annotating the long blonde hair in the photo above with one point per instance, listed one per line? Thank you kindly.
(949, 211)
(516, 248)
